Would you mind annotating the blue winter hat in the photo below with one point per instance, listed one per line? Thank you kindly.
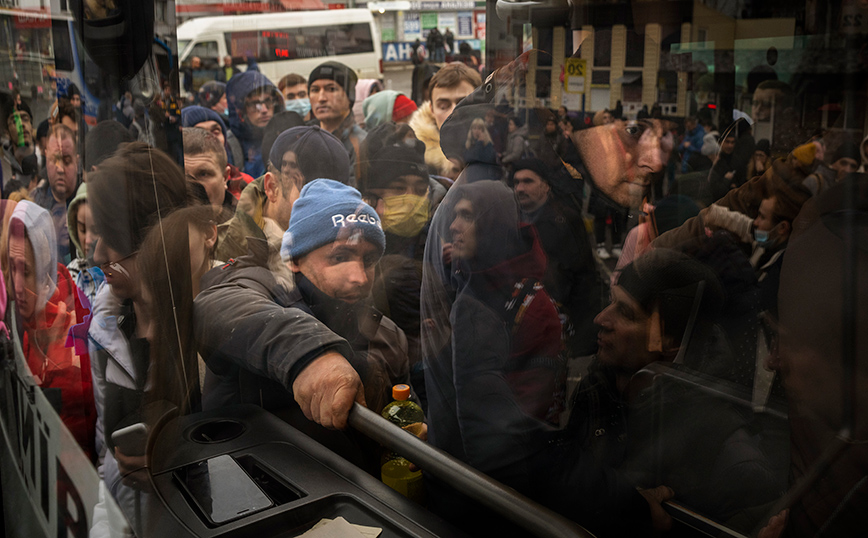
(194, 115)
(325, 212)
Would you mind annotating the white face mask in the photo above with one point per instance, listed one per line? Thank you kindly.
(299, 106)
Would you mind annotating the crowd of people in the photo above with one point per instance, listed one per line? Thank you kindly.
(308, 244)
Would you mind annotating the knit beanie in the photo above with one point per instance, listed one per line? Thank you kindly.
(211, 92)
(281, 122)
(328, 211)
(670, 281)
(340, 73)
(393, 161)
(194, 115)
(11, 108)
(403, 107)
(765, 146)
(805, 153)
(319, 153)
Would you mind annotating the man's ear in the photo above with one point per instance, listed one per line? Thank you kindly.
(271, 187)
(293, 266)
(226, 173)
(786, 229)
(211, 236)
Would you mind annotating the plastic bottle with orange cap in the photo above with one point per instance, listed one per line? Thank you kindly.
(395, 471)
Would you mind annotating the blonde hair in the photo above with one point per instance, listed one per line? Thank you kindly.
(486, 137)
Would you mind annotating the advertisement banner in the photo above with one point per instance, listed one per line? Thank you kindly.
(465, 25)
(480, 25)
(446, 20)
(429, 21)
(412, 26)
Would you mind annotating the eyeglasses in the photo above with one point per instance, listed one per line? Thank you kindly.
(115, 266)
(266, 102)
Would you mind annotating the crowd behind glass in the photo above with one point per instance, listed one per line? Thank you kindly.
(603, 312)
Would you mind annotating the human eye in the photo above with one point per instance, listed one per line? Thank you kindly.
(635, 129)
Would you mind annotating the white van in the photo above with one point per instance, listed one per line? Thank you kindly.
(283, 43)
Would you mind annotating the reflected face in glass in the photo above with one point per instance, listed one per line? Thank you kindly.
(259, 107)
(728, 145)
(214, 128)
(85, 232)
(61, 163)
(763, 102)
(551, 126)
(765, 219)
(22, 263)
(443, 100)
(342, 270)
(26, 125)
(624, 158)
(283, 189)
(328, 100)
(844, 166)
(623, 337)
(463, 230)
(121, 272)
(531, 191)
(415, 185)
(76, 101)
(203, 169)
(221, 105)
(299, 91)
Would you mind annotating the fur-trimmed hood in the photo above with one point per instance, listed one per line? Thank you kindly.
(425, 127)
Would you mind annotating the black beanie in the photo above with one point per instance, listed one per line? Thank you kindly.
(393, 161)
(10, 108)
(340, 73)
(533, 164)
(671, 280)
(320, 154)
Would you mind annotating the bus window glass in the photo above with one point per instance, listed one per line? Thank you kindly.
(298, 43)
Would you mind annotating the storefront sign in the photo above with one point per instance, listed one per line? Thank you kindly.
(465, 24)
(444, 5)
(400, 52)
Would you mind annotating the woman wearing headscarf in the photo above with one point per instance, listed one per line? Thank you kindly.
(49, 307)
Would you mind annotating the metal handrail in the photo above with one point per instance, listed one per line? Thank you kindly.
(515, 507)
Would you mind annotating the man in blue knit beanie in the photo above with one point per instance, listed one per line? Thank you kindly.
(334, 240)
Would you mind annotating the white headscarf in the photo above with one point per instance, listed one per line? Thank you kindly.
(40, 231)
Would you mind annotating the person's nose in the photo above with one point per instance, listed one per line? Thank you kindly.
(358, 276)
(454, 228)
(602, 319)
(100, 257)
(653, 157)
